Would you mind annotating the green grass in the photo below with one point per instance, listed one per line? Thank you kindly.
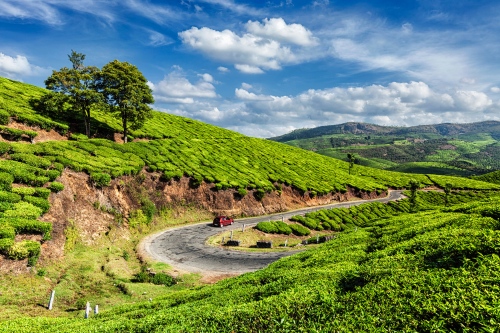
(436, 270)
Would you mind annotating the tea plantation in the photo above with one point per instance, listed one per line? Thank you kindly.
(388, 269)
(436, 270)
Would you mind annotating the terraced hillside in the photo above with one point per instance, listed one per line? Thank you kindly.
(435, 270)
(175, 147)
(452, 149)
(167, 151)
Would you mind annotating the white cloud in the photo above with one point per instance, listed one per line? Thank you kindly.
(234, 7)
(246, 95)
(175, 88)
(250, 53)
(444, 57)
(248, 69)
(397, 104)
(156, 13)
(17, 66)
(407, 28)
(265, 46)
(49, 11)
(158, 39)
(467, 80)
(223, 69)
(246, 86)
(207, 77)
(26, 9)
(472, 100)
(495, 89)
(277, 29)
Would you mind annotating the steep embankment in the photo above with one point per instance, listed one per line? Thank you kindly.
(178, 160)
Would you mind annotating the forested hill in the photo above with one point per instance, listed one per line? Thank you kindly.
(444, 130)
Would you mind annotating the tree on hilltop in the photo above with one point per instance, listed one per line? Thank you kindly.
(74, 86)
(127, 94)
(352, 159)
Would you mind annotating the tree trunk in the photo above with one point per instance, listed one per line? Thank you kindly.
(86, 120)
(124, 122)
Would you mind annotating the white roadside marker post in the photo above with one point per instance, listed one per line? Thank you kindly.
(51, 301)
(87, 310)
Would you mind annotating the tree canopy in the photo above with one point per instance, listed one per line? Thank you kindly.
(75, 86)
(127, 94)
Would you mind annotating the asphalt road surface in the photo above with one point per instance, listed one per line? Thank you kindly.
(185, 248)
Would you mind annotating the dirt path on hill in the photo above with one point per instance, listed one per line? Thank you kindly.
(185, 249)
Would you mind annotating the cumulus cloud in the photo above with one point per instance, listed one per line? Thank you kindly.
(17, 66)
(495, 89)
(246, 86)
(175, 88)
(397, 104)
(277, 29)
(249, 96)
(206, 77)
(223, 69)
(261, 48)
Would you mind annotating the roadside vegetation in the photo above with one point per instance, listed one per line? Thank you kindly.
(411, 251)
(433, 270)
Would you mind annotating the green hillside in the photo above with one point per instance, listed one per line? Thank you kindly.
(404, 255)
(437, 270)
(453, 149)
(175, 147)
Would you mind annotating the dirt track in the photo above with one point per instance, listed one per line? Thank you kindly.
(185, 248)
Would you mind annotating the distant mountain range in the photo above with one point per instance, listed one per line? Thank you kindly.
(446, 129)
(457, 149)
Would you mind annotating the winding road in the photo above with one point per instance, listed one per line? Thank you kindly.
(185, 248)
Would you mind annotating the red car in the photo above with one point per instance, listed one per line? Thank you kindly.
(221, 221)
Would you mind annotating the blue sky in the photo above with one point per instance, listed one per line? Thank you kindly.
(264, 68)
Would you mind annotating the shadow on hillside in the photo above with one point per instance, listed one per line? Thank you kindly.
(74, 120)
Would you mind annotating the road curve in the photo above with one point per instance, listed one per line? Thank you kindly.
(185, 248)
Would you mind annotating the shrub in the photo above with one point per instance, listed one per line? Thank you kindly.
(5, 244)
(23, 190)
(56, 187)
(283, 228)
(24, 210)
(299, 230)
(4, 117)
(242, 192)
(6, 180)
(267, 227)
(148, 208)
(100, 179)
(32, 160)
(52, 174)
(5, 206)
(27, 226)
(7, 231)
(18, 251)
(25, 249)
(163, 279)
(4, 147)
(39, 202)
(42, 192)
(259, 194)
(9, 197)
